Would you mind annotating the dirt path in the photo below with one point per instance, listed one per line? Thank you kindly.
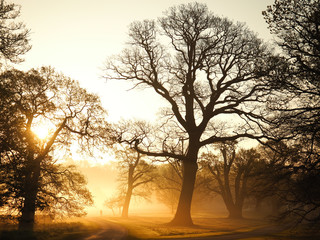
(112, 231)
(107, 230)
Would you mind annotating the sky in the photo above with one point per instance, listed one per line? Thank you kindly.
(77, 36)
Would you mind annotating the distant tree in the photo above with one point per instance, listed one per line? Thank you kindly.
(296, 25)
(168, 185)
(27, 100)
(13, 35)
(230, 175)
(210, 68)
(135, 176)
(115, 202)
(288, 176)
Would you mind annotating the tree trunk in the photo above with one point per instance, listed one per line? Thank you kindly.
(125, 208)
(126, 204)
(26, 222)
(235, 212)
(183, 213)
(234, 206)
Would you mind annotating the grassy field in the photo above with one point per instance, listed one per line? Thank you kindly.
(51, 231)
(152, 227)
(147, 227)
(157, 228)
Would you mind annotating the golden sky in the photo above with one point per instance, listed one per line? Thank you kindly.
(76, 37)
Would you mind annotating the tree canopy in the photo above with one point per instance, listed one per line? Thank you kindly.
(30, 177)
(214, 75)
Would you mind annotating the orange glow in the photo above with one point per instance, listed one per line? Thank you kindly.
(41, 130)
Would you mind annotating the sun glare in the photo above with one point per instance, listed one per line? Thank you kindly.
(42, 130)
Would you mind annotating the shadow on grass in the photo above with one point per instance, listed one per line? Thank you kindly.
(17, 235)
(48, 234)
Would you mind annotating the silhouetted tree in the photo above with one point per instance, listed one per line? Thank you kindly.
(296, 25)
(169, 183)
(134, 177)
(231, 172)
(208, 68)
(114, 202)
(13, 35)
(288, 176)
(27, 99)
(61, 192)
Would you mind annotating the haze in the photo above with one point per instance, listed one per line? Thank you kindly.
(159, 119)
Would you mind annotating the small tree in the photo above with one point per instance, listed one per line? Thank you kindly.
(231, 171)
(27, 99)
(135, 174)
(115, 202)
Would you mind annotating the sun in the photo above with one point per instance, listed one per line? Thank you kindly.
(41, 129)
(41, 132)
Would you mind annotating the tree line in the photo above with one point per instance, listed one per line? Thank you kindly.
(222, 84)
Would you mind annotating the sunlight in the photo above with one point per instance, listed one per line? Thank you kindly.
(42, 130)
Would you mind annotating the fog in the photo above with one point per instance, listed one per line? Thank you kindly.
(102, 183)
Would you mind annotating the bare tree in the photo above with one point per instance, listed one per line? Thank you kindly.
(115, 202)
(134, 177)
(210, 72)
(231, 172)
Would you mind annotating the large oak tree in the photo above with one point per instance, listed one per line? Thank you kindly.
(212, 73)
(29, 99)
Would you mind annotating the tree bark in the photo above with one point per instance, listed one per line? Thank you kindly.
(125, 208)
(235, 212)
(183, 213)
(26, 222)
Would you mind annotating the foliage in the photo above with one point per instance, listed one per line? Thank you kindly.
(291, 177)
(32, 180)
(296, 24)
(62, 190)
(13, 35)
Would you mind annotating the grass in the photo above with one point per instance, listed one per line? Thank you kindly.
(146, 227)
(152, 227)
(52, 231)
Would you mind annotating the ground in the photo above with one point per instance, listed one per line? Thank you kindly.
(138, 227)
